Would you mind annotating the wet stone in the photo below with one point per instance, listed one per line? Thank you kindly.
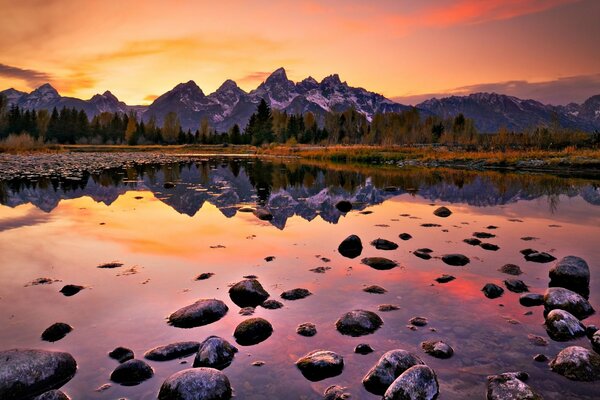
(537, 340)
(387, 307)
(204, 276)
(272, 304)
(429, 225)
(379, 263)
(489, 246)
(363, 348)
(215, 352)
(472, 241)
(442, 212)
(343, 206)
(336, 392)
(131, 372)
(41, 281)
(252, 331)
(568, 301)
(110, 265)
(531, 299)
(56, 332)
(537, 256)
(168, 185)
(572, 273)
(445, 278)
(405, 236)
(307, 329)
(492, 291)
(320, 270)
(540, 358)
(375, 289)
(483, 235)
(562, 326)
(295, 294)
(351, 247)
(202, 312)
(418, 321)
(591, 330)
(172, 351)
(438, 349)
(457, 260)
(422, 253)
(416, 383)
(263, 214)
(248, 293)
(196, 383)
(71, 290)
(577, 363)
(358, 323)
(246, 311)
(509, 386)
(269, 258)
(383, 244)
(390, 366)
(595, 339)
(320, 364)
(121, 354)
(53, 395)
(516, 285)
(510, 269)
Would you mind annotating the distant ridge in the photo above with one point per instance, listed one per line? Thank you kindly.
(230, 105)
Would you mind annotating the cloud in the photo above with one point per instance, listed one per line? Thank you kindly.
(258, 76)
(151, 97)
(559, 91)
(31, 77)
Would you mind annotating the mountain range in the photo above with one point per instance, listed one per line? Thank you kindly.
(230, 105)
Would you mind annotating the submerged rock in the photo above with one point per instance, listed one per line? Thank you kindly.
(56, 332)
(320, 364)
(272, 304)
(568, 301)
(442, 212)
(27, 373)
(483, 235)
(472, 241)
(416, 383)
(572, 273)
(363, 348)
(445, 278)
(390, 366)
(375, 289)
(121, 354)
(537, 256)
(489, 246)
(405, 236)
(379, 263)
(418, 321)
(595, 339)
(336, 392)
(215, 352)
(510, 386)
(248, 293)
(71, 290)
(202, 312)
(172, 351)
(53, 395)
(492, 291)
(196, 383)
(562, 326)
(531, 299)
(437, 348)
(457, 260)
(383, 244)
(252, 331)
(351, 247)
(295, 294)
(358, 323)
(306, 329)
(510, 269)
(577, 363)
(516, 285)
(132, 372)
(205, 275)
(423, 253)
(387, 307)
(343, 206)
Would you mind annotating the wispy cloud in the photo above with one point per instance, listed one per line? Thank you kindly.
(258, 76)
(151, 97)
(31, 77)
(559, 91)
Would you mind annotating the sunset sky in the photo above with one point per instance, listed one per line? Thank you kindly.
(407, 50)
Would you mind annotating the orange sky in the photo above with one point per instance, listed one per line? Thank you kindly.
(140, 49)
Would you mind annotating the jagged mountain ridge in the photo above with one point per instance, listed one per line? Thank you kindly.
(230, 105)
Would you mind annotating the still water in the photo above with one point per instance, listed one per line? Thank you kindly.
(63, 229)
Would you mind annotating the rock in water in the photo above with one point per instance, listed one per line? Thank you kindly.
(358, 323)
(511, 269)
(596, 341)
(405, 236)
(538, 256)
(445, 278)
(510, 386)
(53, 395)
(442, 212)
(375, 289)
(571, 273)
(492, 291)
(71, 290)
(351, 247)
(295, 294)
(383, 244)
(132, 372)
(307, 329)
(567, 300)
(272, 304)
(248, 293)
(27, 373)
(390, 366)
(215, 352)
(320, 364)
(457, 260)
(263, 214)
(516, 285)
(577, 363)
(531, 299)
(202, 312)
(196, 383)
(343, 206)
(437, 349)
(172, 351)
(363, 348)
(121, 354)
(336, 392)
(252, 331)
(56, 332)
(416, 383)
(562, 326)
(379, 263)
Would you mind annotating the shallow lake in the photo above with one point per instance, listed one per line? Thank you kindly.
(165, 237)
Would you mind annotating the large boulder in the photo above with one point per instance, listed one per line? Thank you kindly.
(196, 383)
(248, 293)
(416, 383)
(215, 352)
(510, 386)
(358, 323)
(202, 312)
(577, 363)
(571, 273)
(172, 351)
(567, 300)
(562, 326)
(26, 373)
(252, 331)
(390, 366)
(351, 247)
(132, 372)
(320, 364)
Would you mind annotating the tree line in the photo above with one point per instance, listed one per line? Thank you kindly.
(268, 125)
